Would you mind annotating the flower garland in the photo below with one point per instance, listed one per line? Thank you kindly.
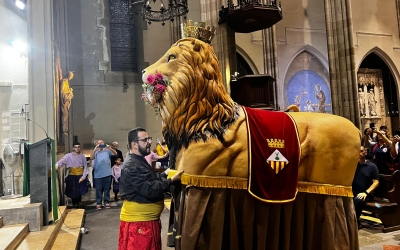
(154, 88)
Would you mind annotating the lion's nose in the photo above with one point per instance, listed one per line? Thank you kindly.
(143, 71)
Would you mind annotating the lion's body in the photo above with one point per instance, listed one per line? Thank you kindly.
(196, 107)
(207, 136)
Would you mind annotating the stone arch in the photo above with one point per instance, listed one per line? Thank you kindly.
(389, 62)
(313, 51)
(248, 59)
(388, 103)
(307, 71)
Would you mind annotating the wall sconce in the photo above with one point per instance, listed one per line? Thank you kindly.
(21, 4)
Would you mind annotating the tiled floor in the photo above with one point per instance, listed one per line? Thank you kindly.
(371, 237)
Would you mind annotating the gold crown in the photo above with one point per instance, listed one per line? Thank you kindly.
(276, 143)
(198, 30)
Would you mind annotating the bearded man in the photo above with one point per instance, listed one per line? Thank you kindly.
(142, 191)
(76, 164)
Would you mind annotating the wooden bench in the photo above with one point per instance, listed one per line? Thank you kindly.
(386, 203)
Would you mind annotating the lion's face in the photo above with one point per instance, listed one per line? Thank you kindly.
(195, 102)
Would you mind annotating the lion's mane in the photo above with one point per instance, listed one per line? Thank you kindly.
(196, 105)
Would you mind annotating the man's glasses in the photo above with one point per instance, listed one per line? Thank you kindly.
(148, 139)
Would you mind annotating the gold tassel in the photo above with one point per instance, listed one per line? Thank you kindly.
(242, 183)
(214, 181)
(328, 189)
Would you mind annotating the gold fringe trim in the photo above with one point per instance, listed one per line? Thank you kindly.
(214, 181)
(242, 183)
(317, 188)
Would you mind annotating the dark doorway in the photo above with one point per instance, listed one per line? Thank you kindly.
(373, 61)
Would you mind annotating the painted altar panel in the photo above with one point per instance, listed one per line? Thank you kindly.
(309, 92)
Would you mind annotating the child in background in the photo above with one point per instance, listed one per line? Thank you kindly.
(116, 173)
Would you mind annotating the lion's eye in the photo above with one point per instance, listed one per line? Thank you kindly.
(170, 57)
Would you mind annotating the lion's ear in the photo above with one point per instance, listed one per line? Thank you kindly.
(196, 45)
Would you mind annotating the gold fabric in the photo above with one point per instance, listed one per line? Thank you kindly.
(241, 183)
(215, 219)
(214, 181)
(133, 211)
(76, 171)
(317, 188)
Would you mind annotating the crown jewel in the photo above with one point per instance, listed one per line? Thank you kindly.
(276, 143)
(199, 30)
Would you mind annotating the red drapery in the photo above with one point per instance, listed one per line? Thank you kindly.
(274, 153)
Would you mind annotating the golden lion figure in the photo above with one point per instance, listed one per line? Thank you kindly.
(206, 131)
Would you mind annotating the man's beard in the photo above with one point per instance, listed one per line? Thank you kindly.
(143, 150)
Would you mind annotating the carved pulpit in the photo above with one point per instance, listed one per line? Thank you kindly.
(255, 91)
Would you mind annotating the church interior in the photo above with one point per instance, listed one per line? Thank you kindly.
(71, 70)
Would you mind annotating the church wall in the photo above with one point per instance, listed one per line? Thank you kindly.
(302, 27)
(375, 29)
(103, 107)
(13, 85)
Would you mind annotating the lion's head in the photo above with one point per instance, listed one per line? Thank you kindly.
(195, 105)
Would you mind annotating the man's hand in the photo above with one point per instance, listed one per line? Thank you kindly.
(80, 180)
(166, 171)
(177, 176)
(362, 196)
(56, 167)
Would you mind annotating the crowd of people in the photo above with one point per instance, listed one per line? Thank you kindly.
(379, 154)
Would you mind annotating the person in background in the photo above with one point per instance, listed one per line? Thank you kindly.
(154, 157)
(76, 164)
(142, 191)
(161, 150)
(114, 145)
(116, 174)
(381, 153)
(366, 180)
(102, 172)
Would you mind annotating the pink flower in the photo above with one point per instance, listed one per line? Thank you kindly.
(159, 77)
(150, 79)
(159, 88)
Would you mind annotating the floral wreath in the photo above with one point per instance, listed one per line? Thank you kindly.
(154, 88)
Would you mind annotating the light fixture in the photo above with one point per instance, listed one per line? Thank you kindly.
(20, 4)
(18, 45)
(174, 8)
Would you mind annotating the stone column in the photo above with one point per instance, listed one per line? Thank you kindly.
(224, 41)
(41, 71)
(175, 26)
(271, 58)
(341, 59)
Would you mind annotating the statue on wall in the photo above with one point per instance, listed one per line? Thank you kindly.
(66, 98)
(321, 99)
(361, 101)
(372, 103)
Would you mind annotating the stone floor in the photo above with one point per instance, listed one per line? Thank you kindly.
(104, 226)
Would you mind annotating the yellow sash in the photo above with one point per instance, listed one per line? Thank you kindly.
(132, 211)
(76, 171)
